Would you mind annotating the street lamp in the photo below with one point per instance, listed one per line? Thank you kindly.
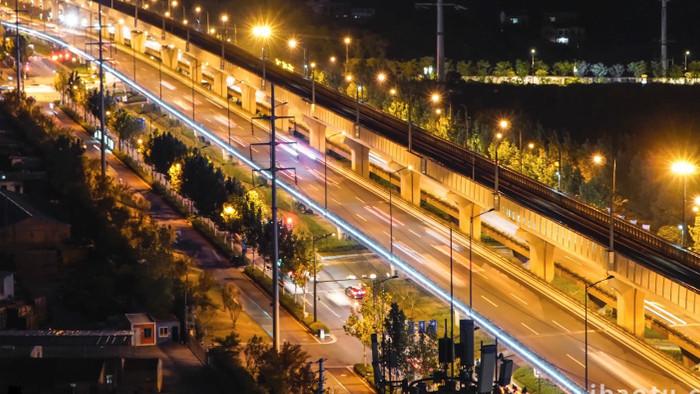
(198, 10)
(224, 19)
(685, 61)
(499, 136)
(313, 84)
(324, 236)
(599, 160)
(532, 59)
(471, 236)
(262, 32)
(325, 167)
(347, 41)
(391, 213)
(585, 329)
(683, 168)
(293, 43)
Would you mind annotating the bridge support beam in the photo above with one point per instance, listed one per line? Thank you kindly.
(248, 98)
(138, 40)
(359, 157)
(410, 183)
(630, 308)
(219, 82)
(168, 53)
(282, 109)
(317, 133)
(194, 70)
(467, 210)
(118, 32)
(541, 255)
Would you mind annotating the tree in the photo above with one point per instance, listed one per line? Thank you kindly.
(422, 356)
(229, 297)
(286, 371)
(366, 321)
(60, 83)
(563, 69)
(396, 346)
(675, 71)
(522, 68)
(637, 68)
(503, 69)
(581, 69)
(483, 68)
(94, 102)
(599, 70)
(162, 150)
(670, 233)
(616, 70)
(125, 125)
(25, 51)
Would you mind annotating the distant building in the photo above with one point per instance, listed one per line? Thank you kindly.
(562, 28)
(515, 18)
(149, 331)
(7, 286)
(23, 226)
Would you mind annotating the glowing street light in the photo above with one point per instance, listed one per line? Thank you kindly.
(683, 168)
(381, 77)
(262, 32)
(435, 98)
(347, 41)
(293, 44)
(499, 137)
(198, 10)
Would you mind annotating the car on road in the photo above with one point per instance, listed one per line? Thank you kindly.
(356, 292)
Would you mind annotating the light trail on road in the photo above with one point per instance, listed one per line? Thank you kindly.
(495, 331)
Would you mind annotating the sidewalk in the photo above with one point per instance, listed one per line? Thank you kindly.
(256, 320)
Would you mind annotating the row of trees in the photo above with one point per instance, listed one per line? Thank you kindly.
(229, 204)
(129, 262)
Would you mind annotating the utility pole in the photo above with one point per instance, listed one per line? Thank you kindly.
(102, 93)
(320, 376)
(664, 55)
(275, 228)
(440, 55)
(19, 52)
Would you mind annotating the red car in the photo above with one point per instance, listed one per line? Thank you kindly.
(356, 292)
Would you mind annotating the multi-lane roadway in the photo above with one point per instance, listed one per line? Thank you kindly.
(528, 314)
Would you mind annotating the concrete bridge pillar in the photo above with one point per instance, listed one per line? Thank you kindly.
(219, 82)
(53, 4)
(138, 40)
(248, 98)
(282, 109)
(118, 32)
(317, 133)
(630, 308)
(410, 182)
(194, 70)
(359, 157)
(541, 255)
(168, 53)
(467, 210)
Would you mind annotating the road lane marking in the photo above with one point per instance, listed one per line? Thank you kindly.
(359, 199)
(562, 327)
(518, 298)
(414, 233)
(359, 216)
(575, 360)
(482, 274)
(255, 150)
(336, 201)
(312, 187)
(489, 301)
(528, 327)
(215, 103)
(387, 234)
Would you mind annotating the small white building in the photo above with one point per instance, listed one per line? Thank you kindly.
(149, 331)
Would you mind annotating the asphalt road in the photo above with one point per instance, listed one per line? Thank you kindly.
(524, 313)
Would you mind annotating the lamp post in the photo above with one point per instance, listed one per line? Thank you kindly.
(471, 236)
(325, 168)
(391, 212)
(324, 236)
(598, 160)
(685, 61)
(532, 59)
(347, 40)
(683, 168)
(224, 19)
(499, 136)
(313, 85)
(585, 329)
(293, 43)
(263, 33)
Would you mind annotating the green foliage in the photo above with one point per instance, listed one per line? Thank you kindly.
(162, 150)
(286, 371)
(125, 125)
(504, 69)
(637, 68)
(541, 385)
(563, 69)
(94, 103)
(670, 233)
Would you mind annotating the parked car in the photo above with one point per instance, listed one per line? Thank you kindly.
(356, 292)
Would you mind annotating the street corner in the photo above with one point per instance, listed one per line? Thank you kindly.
(326, 339)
